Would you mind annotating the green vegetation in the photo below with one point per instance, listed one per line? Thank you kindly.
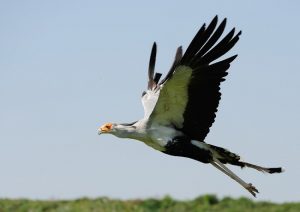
(202, 203)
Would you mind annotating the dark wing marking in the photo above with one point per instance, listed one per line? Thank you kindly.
(190, 93)
(204, 87)
(151, 82)
(157, 78)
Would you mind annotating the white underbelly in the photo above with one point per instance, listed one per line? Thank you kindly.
(160, 136)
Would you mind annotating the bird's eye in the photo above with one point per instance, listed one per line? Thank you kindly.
(144, 93)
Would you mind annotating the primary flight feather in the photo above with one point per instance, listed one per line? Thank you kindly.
(180, 109)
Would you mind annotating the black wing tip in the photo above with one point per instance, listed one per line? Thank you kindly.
(179, 52)
(224, 21)
(232, 31)
(233, 57)
(151, 66)
(157, 77)
(215, 19)
(154, 48)
(153, 53)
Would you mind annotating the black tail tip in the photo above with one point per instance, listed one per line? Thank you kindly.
(275, 170)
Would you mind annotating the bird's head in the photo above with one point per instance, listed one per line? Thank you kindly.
(106, 128)
(119, 130)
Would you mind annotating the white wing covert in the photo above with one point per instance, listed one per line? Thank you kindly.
(149, 100)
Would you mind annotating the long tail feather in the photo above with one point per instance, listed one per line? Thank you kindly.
(262, 169)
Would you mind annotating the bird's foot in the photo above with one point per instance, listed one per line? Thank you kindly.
(252, 189)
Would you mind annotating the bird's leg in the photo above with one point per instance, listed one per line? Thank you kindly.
(216, 163)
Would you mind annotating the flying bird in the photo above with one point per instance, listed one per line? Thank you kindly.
(180, 109)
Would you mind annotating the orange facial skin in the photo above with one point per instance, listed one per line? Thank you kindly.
(106, 127)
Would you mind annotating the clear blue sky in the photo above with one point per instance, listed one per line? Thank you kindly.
(66, 67)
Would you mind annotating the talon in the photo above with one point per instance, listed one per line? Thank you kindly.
(252, 189)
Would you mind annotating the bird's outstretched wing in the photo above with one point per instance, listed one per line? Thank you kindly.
(188, 97)
(150, 97)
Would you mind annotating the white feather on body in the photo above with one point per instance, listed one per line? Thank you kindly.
(161, 135)
(155, 135)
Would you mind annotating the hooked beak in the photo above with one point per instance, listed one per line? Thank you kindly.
(105, 128)
(101, 130)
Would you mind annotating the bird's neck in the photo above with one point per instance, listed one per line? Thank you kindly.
(123, 131)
